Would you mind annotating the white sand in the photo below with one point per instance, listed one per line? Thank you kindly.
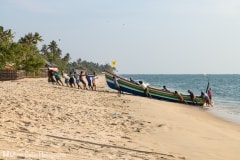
(39, 120)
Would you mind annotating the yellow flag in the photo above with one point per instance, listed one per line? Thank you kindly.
(113, 63)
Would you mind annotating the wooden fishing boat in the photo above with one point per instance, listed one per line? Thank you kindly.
(130, 87)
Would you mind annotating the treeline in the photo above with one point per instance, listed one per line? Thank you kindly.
(89, 66)
(25, 54)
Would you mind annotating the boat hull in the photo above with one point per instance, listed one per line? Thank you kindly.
(135, 89)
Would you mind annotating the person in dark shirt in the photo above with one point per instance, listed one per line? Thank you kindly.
(180, 97)
(165, 89)
(117, 86)
(82, 81)
(192, 97)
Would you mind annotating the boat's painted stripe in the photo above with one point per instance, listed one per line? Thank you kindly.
(129, 87)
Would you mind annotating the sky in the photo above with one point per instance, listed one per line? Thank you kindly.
(142, 36)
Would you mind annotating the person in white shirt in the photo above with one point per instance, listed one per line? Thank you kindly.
(145, 88)
(76, 76)
(94, 81)
(66, 78)
(206, 98)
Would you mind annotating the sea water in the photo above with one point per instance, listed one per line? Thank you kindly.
(225, 89)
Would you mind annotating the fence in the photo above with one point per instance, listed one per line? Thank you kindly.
(19, 74)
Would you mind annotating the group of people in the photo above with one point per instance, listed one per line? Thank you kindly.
(207, 97)
(73, 79)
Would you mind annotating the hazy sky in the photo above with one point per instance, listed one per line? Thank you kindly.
(143, 36)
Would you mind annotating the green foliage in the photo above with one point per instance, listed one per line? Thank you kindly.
(25, 54)
(90, 67)
(6, 38)
(31, 60)
(15, 53)
(53, 54)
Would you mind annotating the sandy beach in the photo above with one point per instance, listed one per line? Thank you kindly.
(39, 120)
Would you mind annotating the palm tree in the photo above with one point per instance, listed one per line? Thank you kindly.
(6, 36)
(44, 50)
(64, 61)
(31, 39)
(53, 49)
(29, 42)
(37, 38)
(6, 39)
(55, 52)
(66, 58)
